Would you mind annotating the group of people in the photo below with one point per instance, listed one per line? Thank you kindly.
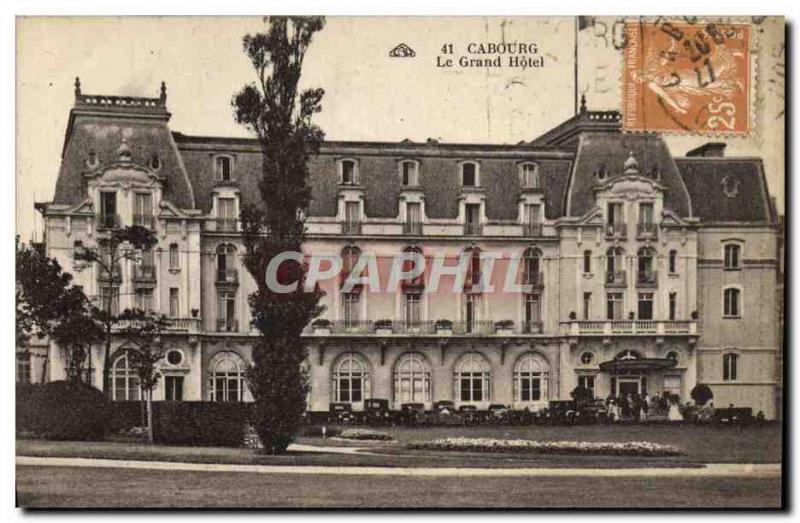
(641, 407)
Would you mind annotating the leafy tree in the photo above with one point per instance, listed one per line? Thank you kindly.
(281, 118)
(114, 246)
(145, 330)
(580, 395)
(48, 305)
(701, 393)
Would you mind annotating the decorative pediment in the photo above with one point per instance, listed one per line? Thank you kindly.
(124, 174)
(593, 217)
(631, 187)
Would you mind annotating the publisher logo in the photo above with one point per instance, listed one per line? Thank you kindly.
(402, 51)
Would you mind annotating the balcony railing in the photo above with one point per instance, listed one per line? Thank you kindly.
(532, 229)
(647, 278)
(226, 224)
(174, 324)
(143, 220)
(473, 229)
(227, 276)
(616, 230)
(422, 327)
(144, 273)
(632, 328)
(616, 278)
(109, 221)
(646, 230)
(412, 228)
(227, 325)
(351, 228)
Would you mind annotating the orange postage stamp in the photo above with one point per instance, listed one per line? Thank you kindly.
(687, 77)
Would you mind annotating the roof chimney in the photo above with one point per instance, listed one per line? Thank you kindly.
(709, 150)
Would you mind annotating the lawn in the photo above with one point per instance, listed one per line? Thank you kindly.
(702, 444)
(46, 487)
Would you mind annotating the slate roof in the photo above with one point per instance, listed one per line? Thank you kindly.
(378, 174)
(705, 177)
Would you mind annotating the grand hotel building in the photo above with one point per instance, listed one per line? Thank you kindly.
(643, 270)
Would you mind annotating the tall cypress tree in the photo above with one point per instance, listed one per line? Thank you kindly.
(281, 118)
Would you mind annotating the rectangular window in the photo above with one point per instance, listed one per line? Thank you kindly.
(672, 384)
(732, 256)
(226, 214)
(533, 313)
(532, 216)
(471, 312)
(352, 217)
(143, 209)
(108, 209)
(226, 312)
(414, 218)
(587, 301)
(174, 257)
(468, 175)
(224, 170)
(109, 299)
(731, 305)
(174, 388)
(646, 214)
(348, 172)
(413, 309)
(409, 170)
(673, 305)
(587, 382)
(530, 175)
(350, 309)
(614, 306)
(144, 299)
(645, 306)
(472, 216)
(174, 304)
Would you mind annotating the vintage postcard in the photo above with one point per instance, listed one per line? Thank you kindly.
(400, 262)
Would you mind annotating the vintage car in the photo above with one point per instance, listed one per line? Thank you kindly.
(376, 412)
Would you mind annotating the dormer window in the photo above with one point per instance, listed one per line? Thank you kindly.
(530, 175)
(92, 160)
(155, 162)
(469, 174)
(408, 173)
(223, 166)
(348, 171)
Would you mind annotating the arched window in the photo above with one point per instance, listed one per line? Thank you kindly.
(615, 266)
(412, 379)
(531, 378)
(587, 262)
(529, 172)
(531, 266)
(474, 268)
(351, 381)
(350, 256)
(417, 282)
(125, 384)
(732, 256)
(155, 161)
(472, 378)
(227, 377)
(730, 367)
(646, 265)
(731, 307)
(409, 173)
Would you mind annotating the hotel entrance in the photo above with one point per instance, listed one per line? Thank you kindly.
(629, 372)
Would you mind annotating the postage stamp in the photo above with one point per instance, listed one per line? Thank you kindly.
(687, 78)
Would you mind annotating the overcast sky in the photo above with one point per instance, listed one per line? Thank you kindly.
(369, 96)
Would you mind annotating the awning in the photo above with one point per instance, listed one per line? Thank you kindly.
(637, 365)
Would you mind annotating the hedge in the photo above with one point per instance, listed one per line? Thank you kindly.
(200, 423)
(62, 410)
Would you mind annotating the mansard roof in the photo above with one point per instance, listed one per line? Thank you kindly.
(570, 157)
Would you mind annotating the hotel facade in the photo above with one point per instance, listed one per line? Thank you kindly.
(641, 270)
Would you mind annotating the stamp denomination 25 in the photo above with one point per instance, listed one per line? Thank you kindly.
(691, 78)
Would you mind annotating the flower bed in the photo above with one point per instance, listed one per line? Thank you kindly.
(363, 434)
(628, 448)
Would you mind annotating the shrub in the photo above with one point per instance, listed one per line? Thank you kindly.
(64, 410)
(581, 394)
(199, 423)
(125, 415)
(701, 393)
